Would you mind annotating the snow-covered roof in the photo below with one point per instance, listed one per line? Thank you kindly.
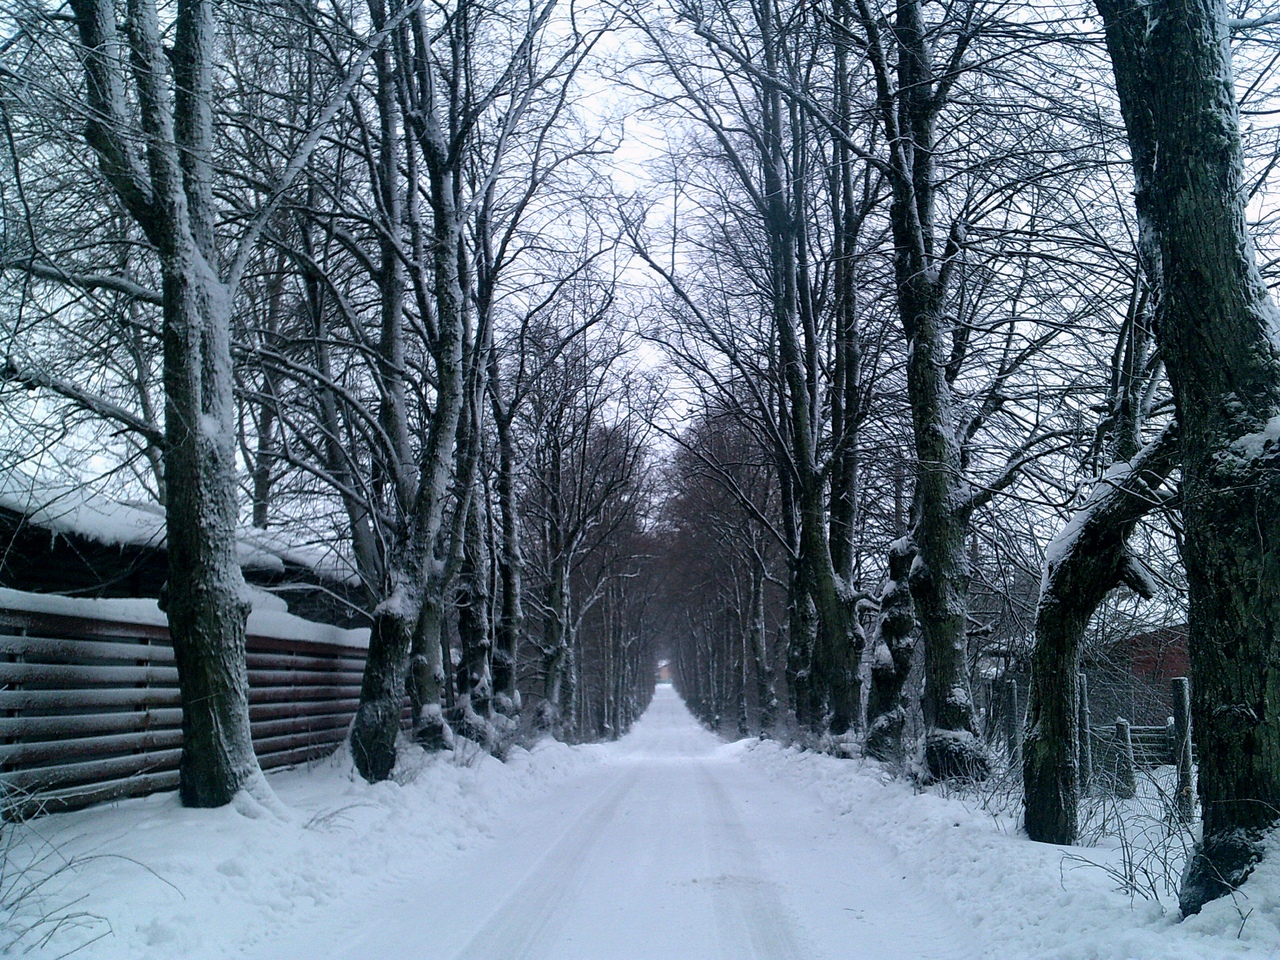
(66, 508)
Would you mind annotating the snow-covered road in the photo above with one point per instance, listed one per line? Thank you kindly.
(670, 849)
(666, 845)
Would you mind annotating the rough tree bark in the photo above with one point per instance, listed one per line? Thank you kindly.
(510, 560)
(475, 678)
(556, 593)
(766, 699)
(826, 593)
(1087, 560)
(412, 567)
(891, 665)
(171, 198)
(1218, 333)
(816, 444)
(909, 99)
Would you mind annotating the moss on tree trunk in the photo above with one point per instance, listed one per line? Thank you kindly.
(1217, 331)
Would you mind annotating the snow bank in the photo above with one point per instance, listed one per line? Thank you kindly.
(1032, 901)
(163, 882)
(347, 860)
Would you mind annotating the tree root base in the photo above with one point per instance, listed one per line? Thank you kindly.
(433, 733)
(955, 755)
(373, 740)
(1218, 866)
(884, 737)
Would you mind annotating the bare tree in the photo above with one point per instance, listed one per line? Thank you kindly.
(1216, 328)
(168, 189)
(1089, 558)
(588, 452)
(784, 213)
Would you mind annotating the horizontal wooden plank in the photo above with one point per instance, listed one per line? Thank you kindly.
(298, 678)
(54, 650)
(263, 703)
(258, 643)
(88, 748)
(331, 728)
(288, 758)
(74, 798)
(288, 694)
(302, 661)
(272, 728)
(316, 738)
(49, 728)
(73, 774)
(70, 626)
(86, 730)
(89, 699)
(71, 675)
(290, 708)
(62, 625)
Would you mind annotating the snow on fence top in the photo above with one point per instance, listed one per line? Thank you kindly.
(270, 617)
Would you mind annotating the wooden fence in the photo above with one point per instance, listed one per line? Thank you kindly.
(89, 707)
(1152, 746)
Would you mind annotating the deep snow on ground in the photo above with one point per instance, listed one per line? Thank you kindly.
(166, 882)
(668, 844)
(1024, 899)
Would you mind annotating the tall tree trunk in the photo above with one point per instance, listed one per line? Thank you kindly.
(510, 567)
(766, 699)
(909, 99)
(556, 646)
(382, 687)
(1087, 560)
(382, 692)
(846, 383)
(802, 628)
(428, 674)
(743, 644)
(171, 199)
(262, 471)
(827, 679)
(939, 577)
(893, 655)
(205, 596)
(1217, 331)
(476, 686)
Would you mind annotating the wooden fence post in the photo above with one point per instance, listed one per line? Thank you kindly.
(1083, 733)
(1126, 777)
(1012, 716)
(1185, 797)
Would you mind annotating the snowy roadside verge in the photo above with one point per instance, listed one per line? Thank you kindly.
(1032, 901)
(151, 879)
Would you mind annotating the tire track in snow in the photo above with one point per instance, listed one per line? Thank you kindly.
(747, 903)
(533, 912)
